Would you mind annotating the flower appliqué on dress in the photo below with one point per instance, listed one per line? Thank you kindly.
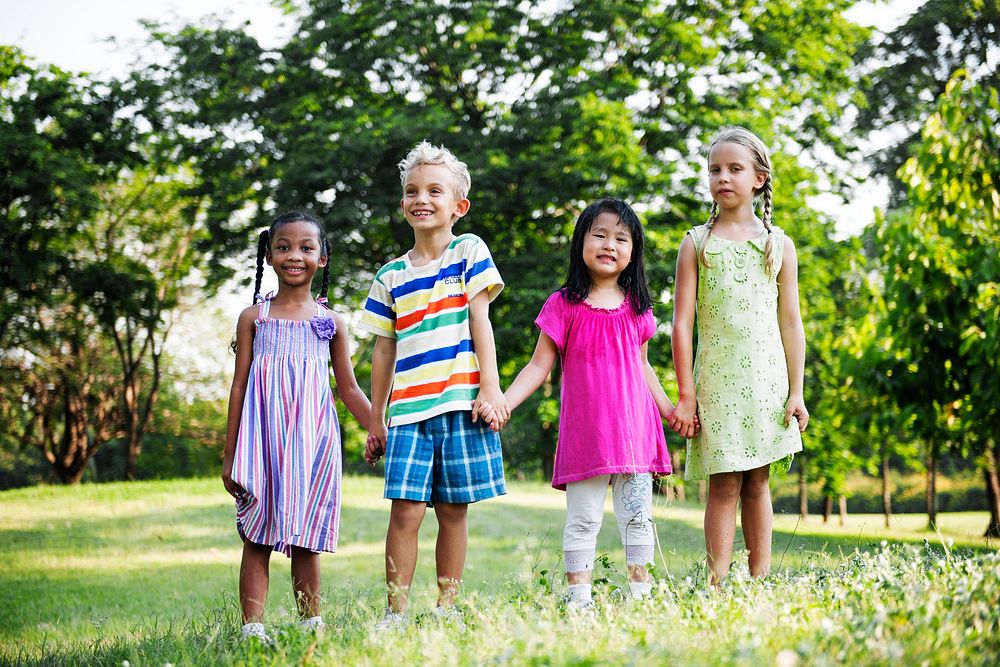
(324, 327)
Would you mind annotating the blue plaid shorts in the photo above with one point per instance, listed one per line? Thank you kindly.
(446, 458)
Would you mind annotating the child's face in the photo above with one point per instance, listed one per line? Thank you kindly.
(296, 253)
(731, 175)
(607, 248)
(429, 201)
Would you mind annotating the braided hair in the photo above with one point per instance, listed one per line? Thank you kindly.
(762, 165)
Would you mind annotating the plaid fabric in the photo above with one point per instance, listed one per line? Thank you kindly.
(446, 458)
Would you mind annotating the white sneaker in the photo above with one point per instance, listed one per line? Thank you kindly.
(392, 620)
(255, 630)
(312, 624)
(580, 605)
(450, 616)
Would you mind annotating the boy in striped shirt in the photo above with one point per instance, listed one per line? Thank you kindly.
(435, 353)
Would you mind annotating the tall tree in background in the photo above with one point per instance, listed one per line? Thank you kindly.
(943, 278)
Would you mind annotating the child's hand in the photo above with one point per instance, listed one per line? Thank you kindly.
(232, 488)
(795, 408)
(684, 419)
(375, 444)
(492, 407)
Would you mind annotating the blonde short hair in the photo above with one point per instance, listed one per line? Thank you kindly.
(426, 153)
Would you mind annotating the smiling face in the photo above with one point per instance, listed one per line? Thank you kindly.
(429, 201)
(296, 253)
(731, 175)
(607, 247)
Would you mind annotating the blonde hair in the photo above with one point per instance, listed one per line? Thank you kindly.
(762, 165)
(426, 153)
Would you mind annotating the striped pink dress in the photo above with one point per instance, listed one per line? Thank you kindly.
(288, 449)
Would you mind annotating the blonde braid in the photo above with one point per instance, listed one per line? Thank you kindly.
(712, 216)
(770, 247)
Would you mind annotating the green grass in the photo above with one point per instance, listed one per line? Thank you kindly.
(147, 573)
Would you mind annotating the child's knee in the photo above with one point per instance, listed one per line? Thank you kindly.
(451, 514)
(581, 533)
(725, 486)
(407, 515)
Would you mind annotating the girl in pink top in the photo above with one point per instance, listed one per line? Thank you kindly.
(610, 431)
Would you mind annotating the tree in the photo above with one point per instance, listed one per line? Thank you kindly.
(943, 278)
(137, 260)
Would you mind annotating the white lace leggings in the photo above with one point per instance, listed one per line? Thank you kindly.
(633, 499)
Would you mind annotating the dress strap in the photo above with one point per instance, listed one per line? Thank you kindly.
(320, 310)
(263, 308)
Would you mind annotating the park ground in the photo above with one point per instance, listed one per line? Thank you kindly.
(146, 574)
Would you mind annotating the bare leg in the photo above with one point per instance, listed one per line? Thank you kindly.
(405, 518)
(254, 580)
(720, 522)
(452, 546)
(757, 518)
(305, 581)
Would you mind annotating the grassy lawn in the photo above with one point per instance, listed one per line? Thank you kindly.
(147, 572)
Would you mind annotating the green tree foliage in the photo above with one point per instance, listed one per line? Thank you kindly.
(550, 106)
(942, 260)
(909, 67)
(59, 137)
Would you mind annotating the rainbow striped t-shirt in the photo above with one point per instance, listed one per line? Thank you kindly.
(426, 309)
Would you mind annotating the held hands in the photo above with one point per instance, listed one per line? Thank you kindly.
(684, 419)
(375, 445)
(795, 408)
(491, 406)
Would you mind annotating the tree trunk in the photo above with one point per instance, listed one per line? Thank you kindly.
(932, 485)
(803, 489)
(992, 492)
(886, 491)
(827, 508)
(702, 491)
(842, 509)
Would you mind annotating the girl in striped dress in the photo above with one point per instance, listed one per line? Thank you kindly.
(282, 458)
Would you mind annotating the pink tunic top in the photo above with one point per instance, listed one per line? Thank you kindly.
(608, 421)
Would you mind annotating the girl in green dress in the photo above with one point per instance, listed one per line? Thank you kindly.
(738, 274)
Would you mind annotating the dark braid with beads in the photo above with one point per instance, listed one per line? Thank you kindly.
(263, 241)
(324, 287)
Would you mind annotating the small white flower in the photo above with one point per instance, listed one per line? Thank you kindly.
(787, 658)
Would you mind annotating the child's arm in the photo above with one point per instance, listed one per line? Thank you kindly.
(486, 354)
(793, 336)
(534, 373)
(682, 421)
(383, 370)
(238, 391)
(343, 371)
(663, 404)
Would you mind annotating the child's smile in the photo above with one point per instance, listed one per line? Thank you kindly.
(607, 248)
(296, 253)
(429, 201)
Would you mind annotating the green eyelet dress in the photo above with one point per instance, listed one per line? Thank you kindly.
(741, 377)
